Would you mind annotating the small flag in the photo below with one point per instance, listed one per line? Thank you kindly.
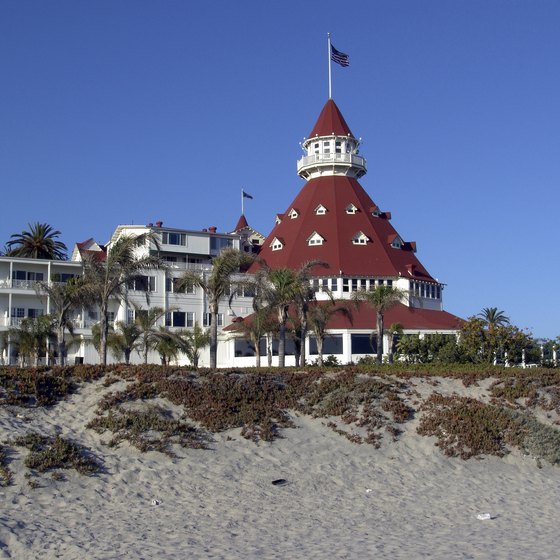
(246, 195)
(339, 57)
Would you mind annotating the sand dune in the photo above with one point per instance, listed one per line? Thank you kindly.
(341, 500)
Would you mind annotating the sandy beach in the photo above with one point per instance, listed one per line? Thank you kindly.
(340, 499)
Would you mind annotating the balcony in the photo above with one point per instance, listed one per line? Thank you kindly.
(18, 284)
(307, 164)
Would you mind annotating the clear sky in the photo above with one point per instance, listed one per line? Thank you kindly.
(116, 112)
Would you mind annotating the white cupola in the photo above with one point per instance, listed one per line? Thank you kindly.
(331, 148)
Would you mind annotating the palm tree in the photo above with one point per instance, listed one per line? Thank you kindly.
(124, 340)
(493, 318)
(32, 336)
(146, 321)
(109, 279)
(381, 298)
(319, 317)
(38, 243)
(277, 289)
(63, 297)
(216, 285)
(394, 330)
(167, 344)
(260, 323)
(196, 340)
(305, 294)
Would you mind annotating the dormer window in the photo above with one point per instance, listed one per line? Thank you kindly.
(351, 209)
(375, 211)
(278, 219)
(396, 241)
(320, 210)
(315, 239)
(276, 244)
(293, 214)
(360, 238)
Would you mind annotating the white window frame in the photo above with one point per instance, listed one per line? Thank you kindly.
(315, 239)
(351, 209)
(360, 238)
(276, 244)
(320, 210)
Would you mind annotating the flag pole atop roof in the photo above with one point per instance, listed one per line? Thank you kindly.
(338, 57)
(329, 56)
(244, 195)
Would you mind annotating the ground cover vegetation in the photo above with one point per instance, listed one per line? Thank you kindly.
(163, 408)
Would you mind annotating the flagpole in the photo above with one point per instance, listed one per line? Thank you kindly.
(329, 58)
(242, 205)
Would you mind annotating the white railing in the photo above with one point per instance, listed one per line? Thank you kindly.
(20, 284)
(189, 266)
(345, 159)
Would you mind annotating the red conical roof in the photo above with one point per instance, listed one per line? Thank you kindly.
(241, 223)
(330, 121)
(337, 227)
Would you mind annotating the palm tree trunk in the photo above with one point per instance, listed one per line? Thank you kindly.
(379, 337)
(127, 356)
(104, 332)
(257, 351)
(60, 344)
(303, 321)
(319, 340)
(282, 337)
(214, 335)
(269, 349)
(146, 348)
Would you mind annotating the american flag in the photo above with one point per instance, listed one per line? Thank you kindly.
(339, 57)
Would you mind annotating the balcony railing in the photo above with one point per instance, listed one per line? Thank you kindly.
(197, 267)
(19, 284)
(350, 160)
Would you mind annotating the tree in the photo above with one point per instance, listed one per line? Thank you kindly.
(124, 340)
(305, 294)
(493, 318)
(394, 330)
(381, 298)
(167, 344)
(108, 279)
(196, 340)
(146, 321)
(216, 285)
(260, 323)
(278, 288)
(32, 336)
(64, 297)
(38, 243)
(480, 342)
(319, 316)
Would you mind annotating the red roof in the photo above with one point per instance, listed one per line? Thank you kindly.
(337, 227)
(242, 223)
(330, 121)
(364, 318)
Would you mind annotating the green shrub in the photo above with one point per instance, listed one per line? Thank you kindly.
(47, 453)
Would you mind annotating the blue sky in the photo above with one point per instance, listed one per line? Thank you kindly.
(118, 112)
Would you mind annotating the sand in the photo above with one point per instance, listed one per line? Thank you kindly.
(341, 500)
